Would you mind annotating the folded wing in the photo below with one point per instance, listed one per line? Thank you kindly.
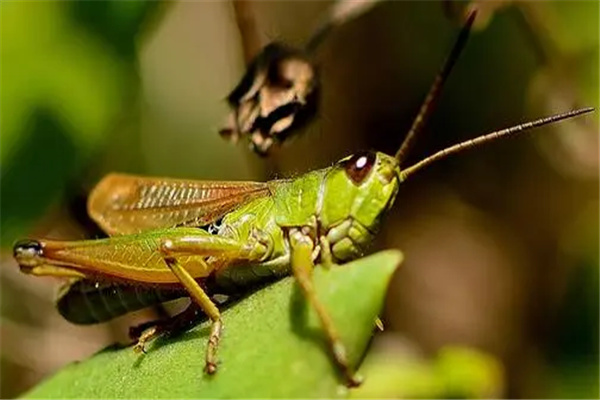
(123, 204)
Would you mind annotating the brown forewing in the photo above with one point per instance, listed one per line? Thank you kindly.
(123, 204)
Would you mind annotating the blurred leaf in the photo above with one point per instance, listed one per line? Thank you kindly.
(573, 349)
(116, 22)
(456, 372)
(272, 345)
(566, 41)
(469, 373)
(572, 25)
(400, 376)
(62, 90)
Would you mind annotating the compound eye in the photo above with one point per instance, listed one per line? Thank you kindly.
(359, 165)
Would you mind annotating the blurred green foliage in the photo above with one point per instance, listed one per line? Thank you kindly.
(454, 373)
(68, 73)
(573, 348)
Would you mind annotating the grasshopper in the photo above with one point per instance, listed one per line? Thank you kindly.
(173, 237)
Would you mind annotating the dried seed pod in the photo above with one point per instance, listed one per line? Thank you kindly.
(277, 94)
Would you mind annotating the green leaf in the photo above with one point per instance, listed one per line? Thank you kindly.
(272, 345)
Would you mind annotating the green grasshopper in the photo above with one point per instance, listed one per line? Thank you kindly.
(173, 237)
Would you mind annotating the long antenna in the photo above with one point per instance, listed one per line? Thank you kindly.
(435, 90)
(468, 144)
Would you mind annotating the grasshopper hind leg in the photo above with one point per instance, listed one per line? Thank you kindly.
(202, 300)
(258, 247)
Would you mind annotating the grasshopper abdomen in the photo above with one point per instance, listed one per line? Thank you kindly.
(86, 302)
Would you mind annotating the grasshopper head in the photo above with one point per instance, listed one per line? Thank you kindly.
(357, 192)
(375, 178)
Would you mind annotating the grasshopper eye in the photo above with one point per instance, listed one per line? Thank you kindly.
(358, 166)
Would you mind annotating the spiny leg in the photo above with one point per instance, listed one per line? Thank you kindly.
(210, 309)
(302, 266)
(258, 247)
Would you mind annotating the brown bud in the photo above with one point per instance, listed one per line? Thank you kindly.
(277, 94)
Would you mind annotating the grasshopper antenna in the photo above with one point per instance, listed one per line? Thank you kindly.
(468, 144)
(436, 88)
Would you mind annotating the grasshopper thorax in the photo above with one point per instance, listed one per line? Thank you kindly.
(356, 193)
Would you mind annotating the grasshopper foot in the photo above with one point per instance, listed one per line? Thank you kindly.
(147, 335)
(210, 368)
(139, 348)
(353, 381)
(339, 352)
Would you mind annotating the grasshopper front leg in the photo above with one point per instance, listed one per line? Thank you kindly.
(302, 247)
